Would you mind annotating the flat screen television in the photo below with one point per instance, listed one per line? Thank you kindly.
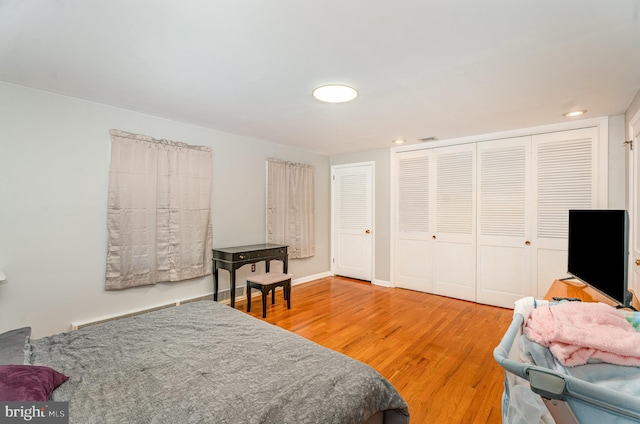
(599, 251)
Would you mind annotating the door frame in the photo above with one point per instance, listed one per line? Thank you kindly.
(372, 166)
(632, 197)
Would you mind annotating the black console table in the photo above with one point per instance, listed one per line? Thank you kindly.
(232, 258)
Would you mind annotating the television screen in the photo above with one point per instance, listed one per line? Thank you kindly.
(599, 249)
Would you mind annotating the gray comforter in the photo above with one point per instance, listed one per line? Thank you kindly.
(204, 362)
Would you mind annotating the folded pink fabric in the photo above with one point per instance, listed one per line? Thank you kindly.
(576, 332)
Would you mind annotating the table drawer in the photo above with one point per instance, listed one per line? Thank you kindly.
(239, 254)
(259, 254)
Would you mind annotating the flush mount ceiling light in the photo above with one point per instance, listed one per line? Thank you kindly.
(335, 93)
(574, 113)
(398, 141)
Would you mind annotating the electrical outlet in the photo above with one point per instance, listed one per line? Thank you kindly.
(253, 267)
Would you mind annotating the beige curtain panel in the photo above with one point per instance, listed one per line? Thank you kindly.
(159, 217)
(290, 207)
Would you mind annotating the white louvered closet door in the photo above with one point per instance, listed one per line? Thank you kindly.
(454, 239)
(504, 221)
(565, 177)
(413, 233)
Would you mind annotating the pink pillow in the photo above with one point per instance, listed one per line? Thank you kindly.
(28, 382)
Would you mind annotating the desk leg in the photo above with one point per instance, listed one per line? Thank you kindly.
(232, 279)
(285, 264)
(215, 281)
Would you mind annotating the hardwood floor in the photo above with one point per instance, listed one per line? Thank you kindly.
(437, 351)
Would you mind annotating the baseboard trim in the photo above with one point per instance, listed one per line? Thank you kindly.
(82, 324)
(382, 283)
(308, 278)
(223, 297)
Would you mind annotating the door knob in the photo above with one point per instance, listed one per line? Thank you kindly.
(368, 231)
(527, 242)
(638, 262)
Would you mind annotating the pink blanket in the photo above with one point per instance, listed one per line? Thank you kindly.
(578, 331)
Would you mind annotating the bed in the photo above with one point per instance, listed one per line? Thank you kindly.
(541, 385)
(204, 362)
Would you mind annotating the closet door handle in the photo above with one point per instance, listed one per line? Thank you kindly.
(638, 262)
(368, 231)
(527, 242)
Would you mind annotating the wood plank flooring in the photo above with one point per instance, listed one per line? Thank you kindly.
(437, 351)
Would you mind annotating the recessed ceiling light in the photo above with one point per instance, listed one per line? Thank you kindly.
(335, 93)
(574, 113)
(398, 141)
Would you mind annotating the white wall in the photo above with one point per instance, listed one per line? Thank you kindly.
(634, 107)
(617, 190)
(54, 163)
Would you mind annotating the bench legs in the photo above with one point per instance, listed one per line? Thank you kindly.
(265, 289)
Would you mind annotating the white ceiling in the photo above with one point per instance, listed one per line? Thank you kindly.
(446, 68)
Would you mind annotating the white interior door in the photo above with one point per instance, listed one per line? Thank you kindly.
(504, 216)
(634, 205)
(352, 215)
(454, 241)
